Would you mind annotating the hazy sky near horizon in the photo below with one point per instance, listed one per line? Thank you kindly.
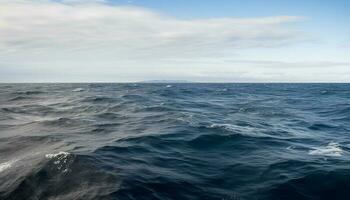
(196, 40)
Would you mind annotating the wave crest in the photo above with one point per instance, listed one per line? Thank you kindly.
(332, 149)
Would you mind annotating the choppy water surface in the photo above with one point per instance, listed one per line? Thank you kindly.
(178, 141)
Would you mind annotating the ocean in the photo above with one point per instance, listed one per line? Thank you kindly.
(175, 141)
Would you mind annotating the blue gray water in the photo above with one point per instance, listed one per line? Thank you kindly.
(178, 141)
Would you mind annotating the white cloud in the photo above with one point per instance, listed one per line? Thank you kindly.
(93, 27)
(96, 38)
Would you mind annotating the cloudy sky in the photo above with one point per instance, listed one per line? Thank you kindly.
(196, 40)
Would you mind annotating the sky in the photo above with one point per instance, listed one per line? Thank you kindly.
(193, 40)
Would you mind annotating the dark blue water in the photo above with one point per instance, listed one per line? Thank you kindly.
(178, 141)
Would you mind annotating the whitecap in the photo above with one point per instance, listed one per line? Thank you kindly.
(6, 165)
(290, 147)
(228, 127)
(242, 130)
(59, 154)
(78, 90)
(332, 149)
(168, 86)
(61, 160)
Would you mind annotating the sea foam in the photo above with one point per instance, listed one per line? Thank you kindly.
(59, 154)
(332, 149)
(61, 160)
(6, 165)
(242, 130)
(78, 90)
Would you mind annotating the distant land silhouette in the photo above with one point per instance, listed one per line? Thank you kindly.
(166, 81)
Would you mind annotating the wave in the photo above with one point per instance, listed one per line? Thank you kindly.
(190, 141)
(332, 149)
(211, 141)
(60, 121)
(60, 155)
(64, 176)
(133, 97)
(154, 108)
(6, 165)
(78, 90)
(318, 184)
(20, 98)
(235, 129)
(35, 109)
(99, 99)
(61, 160)
(106, 115)
(321, 126)
(33, 92)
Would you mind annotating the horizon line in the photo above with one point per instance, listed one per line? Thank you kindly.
(189, 82)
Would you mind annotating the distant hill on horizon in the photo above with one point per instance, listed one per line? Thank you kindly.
(166, 81)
